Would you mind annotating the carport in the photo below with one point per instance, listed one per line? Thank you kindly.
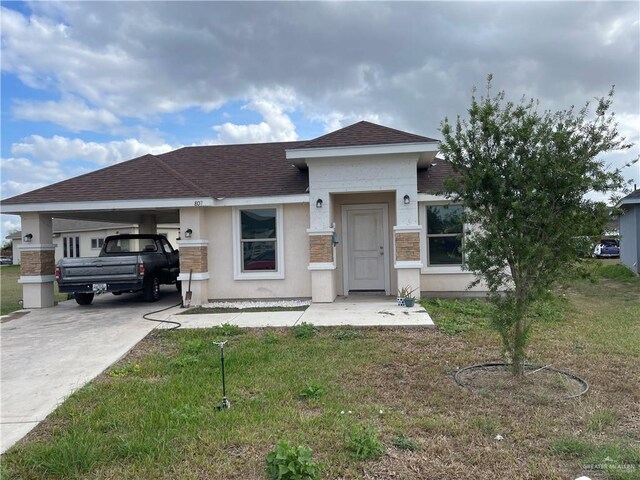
(146, 191)
(37, 248)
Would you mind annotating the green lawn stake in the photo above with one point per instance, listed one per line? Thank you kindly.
(225, 403)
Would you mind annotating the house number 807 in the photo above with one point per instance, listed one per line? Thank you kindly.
(197, 203)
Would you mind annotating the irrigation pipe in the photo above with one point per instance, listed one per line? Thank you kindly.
(580, 380)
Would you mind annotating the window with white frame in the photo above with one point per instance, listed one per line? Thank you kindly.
(258, 243)
(97, 243)
(444, 235)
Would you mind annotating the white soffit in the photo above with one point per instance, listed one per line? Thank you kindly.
(299, 155)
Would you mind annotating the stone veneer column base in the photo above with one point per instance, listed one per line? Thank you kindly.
(37, 274)
(322, 265)
(194, 257)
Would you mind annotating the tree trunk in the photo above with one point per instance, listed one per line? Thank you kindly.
(518, 359)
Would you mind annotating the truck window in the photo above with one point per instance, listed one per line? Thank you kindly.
(148, 245)
(166, 246)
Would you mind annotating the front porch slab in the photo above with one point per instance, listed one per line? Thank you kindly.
(366, 311)
(355, 310)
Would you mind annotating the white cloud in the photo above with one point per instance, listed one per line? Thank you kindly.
(139, 59)
(338, 62)
(276, 127)
(8, 224)
(71, 113)
(20, 175)
(60, 149)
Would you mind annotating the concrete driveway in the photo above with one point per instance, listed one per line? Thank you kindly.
(48, 354)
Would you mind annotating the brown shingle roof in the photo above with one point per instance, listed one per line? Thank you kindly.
(431, 180)
(364, 133)
(211, 171)
(259, 169)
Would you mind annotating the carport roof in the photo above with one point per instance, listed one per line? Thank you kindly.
(229, 171)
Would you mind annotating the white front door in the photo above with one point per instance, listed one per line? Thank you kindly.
(366, 248)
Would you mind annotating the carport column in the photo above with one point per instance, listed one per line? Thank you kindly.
(406, 239)
(148, 225)
(322, 251)
(37, 261)
(194, 255)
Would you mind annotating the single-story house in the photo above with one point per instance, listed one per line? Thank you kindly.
(84, 238)
(357, 210)
(630, 231)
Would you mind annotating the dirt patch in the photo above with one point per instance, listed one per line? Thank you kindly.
(539, 384)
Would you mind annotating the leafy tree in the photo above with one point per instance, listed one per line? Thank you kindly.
(523, 176)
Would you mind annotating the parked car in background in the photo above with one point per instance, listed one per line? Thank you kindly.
(607, 248)
(6, 261)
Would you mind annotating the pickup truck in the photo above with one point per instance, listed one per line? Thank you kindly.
(126, 263)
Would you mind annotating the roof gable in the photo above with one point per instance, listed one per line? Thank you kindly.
(364, 133)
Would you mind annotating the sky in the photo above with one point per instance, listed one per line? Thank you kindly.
(89, 84)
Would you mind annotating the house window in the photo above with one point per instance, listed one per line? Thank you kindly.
(444, 235)
(258, 248)
(70, 247)
(97, 243)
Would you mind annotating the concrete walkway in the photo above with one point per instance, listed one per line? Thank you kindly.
(357, 311)
(48, 354)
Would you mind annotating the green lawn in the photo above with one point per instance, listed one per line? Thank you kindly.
(153, 414)
(11, 290)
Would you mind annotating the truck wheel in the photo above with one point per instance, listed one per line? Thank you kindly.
(152, 290)
(179, 286)
(84, 298)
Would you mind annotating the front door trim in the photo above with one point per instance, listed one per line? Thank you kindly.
(345, 242)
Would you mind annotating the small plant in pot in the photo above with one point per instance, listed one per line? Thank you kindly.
(409, 301)
(405, 297)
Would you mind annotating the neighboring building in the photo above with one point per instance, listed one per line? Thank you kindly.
(359, 209)
(84, 238)
(630, 231)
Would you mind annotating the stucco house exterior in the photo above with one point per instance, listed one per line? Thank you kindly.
(630, 231)
(357, 210)
(84, 238)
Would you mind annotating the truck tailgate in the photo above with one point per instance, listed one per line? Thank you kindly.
(99, 269)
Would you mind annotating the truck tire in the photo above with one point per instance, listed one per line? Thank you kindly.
(179, 286)
(84, 298)
(151, 289)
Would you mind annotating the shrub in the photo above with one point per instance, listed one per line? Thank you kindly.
(286, 462)
(363, 443)
(304, 330)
